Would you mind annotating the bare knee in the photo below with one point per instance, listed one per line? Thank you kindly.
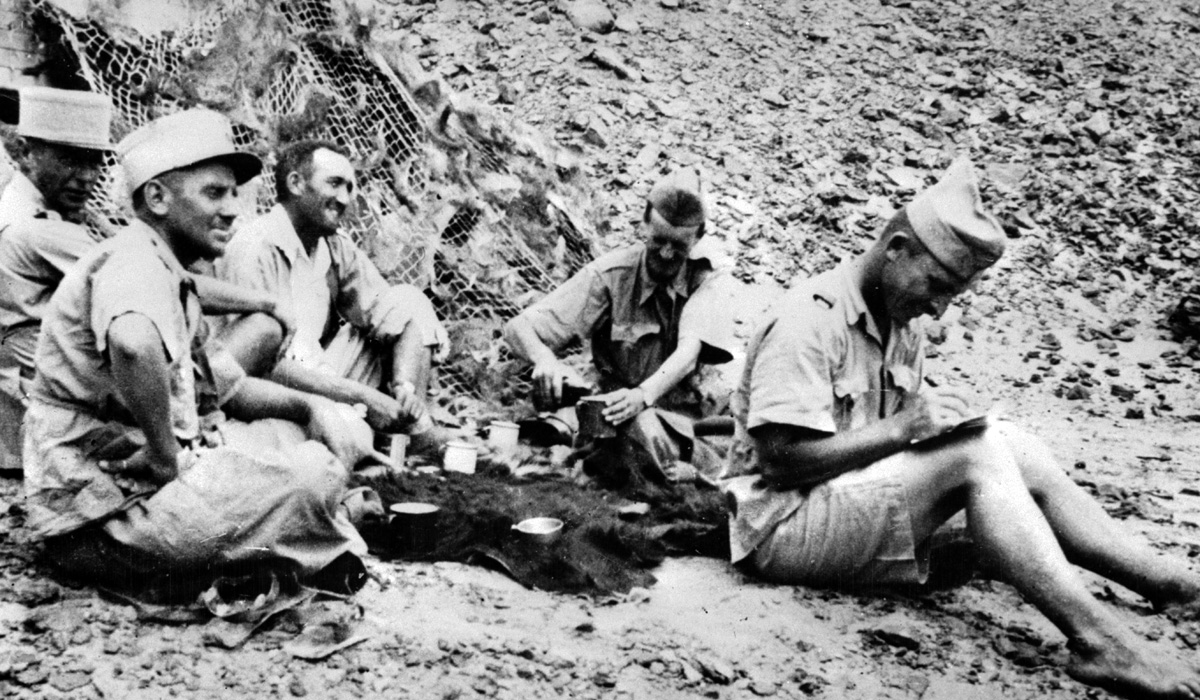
(986, 457)
(254, 341)
(1034, 458)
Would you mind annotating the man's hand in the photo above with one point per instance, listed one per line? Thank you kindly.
(623, 404)
(548, 379)
(159, 469)
(386, 414)
(934, 411)
(346, 435)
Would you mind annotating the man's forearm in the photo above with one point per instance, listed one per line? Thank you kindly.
(791, 460)
(678, 365)
(525, 342)
(221, 297)
(258, 398)
(292, 374)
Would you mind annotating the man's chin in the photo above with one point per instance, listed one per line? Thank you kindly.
(662, 275)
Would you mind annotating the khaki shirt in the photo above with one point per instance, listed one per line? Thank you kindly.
(634, 323)
(75, 402)
(267, 254)
(34, 256)
(816, 362)
(21, 199)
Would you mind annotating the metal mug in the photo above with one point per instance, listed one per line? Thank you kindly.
(415, 527)
(502, 435)
(459, 457)
(590, 411)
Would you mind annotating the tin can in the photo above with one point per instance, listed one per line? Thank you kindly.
(460, 457)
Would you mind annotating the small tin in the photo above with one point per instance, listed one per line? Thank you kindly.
(502, 435)
(460, 457)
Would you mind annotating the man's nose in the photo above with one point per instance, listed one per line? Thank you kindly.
(88, 173)
(229, 206)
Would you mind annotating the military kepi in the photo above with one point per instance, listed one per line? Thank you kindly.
(68, 117)
(182, 140)
(679, 198)
(950, 220)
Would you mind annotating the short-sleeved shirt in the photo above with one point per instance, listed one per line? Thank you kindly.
(35, 253)
(21, 199)
(267, 254)
(634, 322)
(817, 362)
(133, 272)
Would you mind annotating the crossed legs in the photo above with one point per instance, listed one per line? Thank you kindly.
(1031, 522)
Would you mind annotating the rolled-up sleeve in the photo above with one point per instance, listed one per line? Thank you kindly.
(791, 377)
(134, 281)
(708, 316)
(572, 311)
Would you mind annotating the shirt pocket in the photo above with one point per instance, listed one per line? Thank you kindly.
(850, 402)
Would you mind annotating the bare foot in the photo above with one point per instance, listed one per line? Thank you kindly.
(1134, 672)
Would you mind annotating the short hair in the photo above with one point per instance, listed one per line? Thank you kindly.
(298, 157)
(168, 178)
(687, 208)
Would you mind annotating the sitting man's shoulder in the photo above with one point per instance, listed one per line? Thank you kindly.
(617, 260)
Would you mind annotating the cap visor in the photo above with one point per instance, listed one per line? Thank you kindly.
(245, 166)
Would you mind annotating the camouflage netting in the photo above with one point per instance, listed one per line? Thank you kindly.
(477, 210)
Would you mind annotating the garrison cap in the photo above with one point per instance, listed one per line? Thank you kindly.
(679, 198)
(950, 220)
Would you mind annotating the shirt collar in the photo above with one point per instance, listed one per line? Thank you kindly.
(140, 228)
(282, 234)
(847, 278)
(678, 286)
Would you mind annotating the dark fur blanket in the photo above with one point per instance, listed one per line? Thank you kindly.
(598, 551)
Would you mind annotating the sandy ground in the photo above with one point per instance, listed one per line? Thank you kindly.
(454, 631)
(704, 630)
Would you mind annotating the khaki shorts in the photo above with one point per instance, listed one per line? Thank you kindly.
(853, 531)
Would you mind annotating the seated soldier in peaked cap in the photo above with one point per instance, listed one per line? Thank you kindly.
(132, 472)
(45, 229)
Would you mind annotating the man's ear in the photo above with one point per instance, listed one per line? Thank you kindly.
(899, 242)
(295, 183)
(157, 197)
(23, 151)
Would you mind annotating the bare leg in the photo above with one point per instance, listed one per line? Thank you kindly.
(981, 474)
(253, 340)
(1092, 539)
(411, 363)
